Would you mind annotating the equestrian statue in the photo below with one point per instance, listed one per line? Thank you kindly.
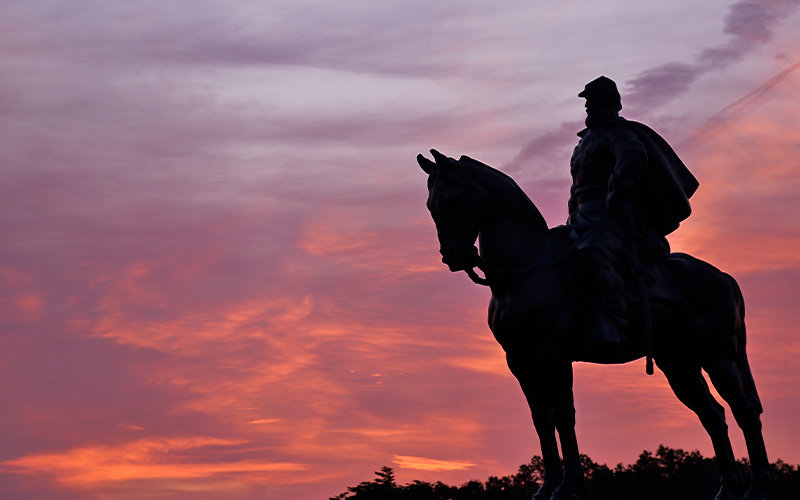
(603, 288)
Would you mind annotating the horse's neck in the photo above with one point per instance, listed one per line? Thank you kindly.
(514, 232)
(510, 243)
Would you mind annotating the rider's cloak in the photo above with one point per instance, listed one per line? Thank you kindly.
(667, 185)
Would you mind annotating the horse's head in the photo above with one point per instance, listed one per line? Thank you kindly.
(456, 209)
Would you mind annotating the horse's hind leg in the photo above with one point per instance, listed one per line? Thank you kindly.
(691, 389)
(727, 380)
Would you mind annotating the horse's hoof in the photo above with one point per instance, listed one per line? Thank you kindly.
(754, 493)
(548, 486)
(564, 494)
(725, 493)
(543, 493)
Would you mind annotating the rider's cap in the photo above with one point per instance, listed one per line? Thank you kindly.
(602, 89)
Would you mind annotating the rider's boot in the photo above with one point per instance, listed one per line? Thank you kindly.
(608, 320)
(608, 327)
(612, 321)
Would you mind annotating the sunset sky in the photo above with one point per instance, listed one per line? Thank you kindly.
(218, 278)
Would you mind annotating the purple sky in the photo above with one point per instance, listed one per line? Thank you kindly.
(219, 279)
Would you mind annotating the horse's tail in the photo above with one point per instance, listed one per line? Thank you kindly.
(742, 363)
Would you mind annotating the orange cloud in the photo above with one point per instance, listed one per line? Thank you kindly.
(430, 464)
(348, 236)
(23, 307)
(744, 214)
(489, 358)
(144, 459)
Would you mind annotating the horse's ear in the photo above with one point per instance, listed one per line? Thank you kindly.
(442, 160)
(427, 165)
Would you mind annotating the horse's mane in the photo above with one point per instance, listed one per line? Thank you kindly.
(507, 190)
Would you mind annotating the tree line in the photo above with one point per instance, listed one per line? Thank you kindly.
(667, 474)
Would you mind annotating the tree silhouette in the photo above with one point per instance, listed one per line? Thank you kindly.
(382, 487)
(666, 474)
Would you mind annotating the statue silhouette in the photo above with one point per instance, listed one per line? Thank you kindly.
(685, 313)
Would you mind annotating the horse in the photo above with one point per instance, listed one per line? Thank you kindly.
(535, 311)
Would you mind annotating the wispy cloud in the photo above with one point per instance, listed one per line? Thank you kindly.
(748, 23)
(716, 122)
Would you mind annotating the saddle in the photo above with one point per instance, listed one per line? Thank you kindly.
(644, 284)
(658, 277)
(664, 286)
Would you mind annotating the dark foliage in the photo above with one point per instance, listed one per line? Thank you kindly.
(666, 474)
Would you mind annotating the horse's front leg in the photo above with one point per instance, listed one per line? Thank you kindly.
(564, 418)
(544, 400)
(545, 428)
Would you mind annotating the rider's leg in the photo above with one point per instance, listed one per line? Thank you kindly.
(606, 289)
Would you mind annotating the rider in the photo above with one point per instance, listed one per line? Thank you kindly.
(629, 190)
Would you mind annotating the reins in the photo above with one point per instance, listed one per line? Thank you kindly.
(534, 268)
(475, 278)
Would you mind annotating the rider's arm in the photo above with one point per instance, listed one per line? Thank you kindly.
(572, 204)
(629, 166)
